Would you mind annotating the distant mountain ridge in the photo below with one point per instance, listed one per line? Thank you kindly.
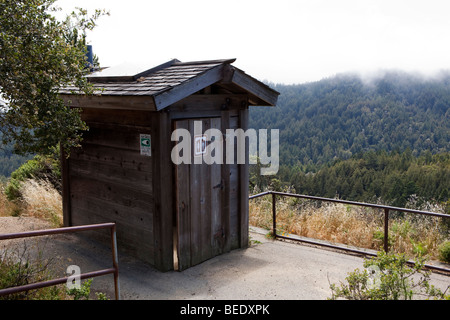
(338, 117)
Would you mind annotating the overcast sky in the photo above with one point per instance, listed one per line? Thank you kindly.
(281, 41)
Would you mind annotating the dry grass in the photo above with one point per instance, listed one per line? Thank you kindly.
(40, 200)
(351, 225)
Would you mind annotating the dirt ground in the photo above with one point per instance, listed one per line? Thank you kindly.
(267, 270)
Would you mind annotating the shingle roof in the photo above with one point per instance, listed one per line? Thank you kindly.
(166, 83)
(149, 82)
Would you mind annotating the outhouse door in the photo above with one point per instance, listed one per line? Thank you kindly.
(200, 217)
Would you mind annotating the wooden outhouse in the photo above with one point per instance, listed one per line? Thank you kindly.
(124, 171)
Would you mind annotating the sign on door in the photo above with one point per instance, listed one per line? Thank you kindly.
(199, 145)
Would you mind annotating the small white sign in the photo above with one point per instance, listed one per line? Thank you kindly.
(146, 145)
(199, 145)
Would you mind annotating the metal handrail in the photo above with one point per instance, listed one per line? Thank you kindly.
(371, 205)
(114, 270)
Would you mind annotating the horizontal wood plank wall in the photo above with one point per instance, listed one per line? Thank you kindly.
(111, 182)
(117, 117)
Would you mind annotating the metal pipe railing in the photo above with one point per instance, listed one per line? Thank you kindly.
(386, 209)
(114, 270)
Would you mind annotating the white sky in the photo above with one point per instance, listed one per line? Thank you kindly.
(282, 41)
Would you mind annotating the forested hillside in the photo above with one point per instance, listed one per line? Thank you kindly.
(394, 178)
(345, 115)
(385, 138)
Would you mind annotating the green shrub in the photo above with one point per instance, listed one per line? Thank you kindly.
(21, 267)
(444, 251)
(387, 277)
(84, 292)
(39, 168)
(18, 268)
(81, 293)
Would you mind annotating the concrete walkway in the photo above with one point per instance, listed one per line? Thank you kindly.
(267, 270)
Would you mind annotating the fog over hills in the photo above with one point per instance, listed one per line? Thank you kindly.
(350, 113)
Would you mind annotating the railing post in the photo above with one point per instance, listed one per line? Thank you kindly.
(274, 214)
(115, 261)
(386, 230)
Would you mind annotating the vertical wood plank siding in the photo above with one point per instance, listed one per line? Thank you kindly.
(163, 193)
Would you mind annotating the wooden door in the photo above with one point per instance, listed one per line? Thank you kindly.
(201, 220)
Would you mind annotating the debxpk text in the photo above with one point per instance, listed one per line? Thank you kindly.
(208, 147)
(228, 309)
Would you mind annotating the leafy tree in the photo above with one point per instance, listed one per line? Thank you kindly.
(38, 55)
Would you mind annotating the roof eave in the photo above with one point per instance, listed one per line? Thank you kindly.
(181, 91)
(260, 94)
(125, 102)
